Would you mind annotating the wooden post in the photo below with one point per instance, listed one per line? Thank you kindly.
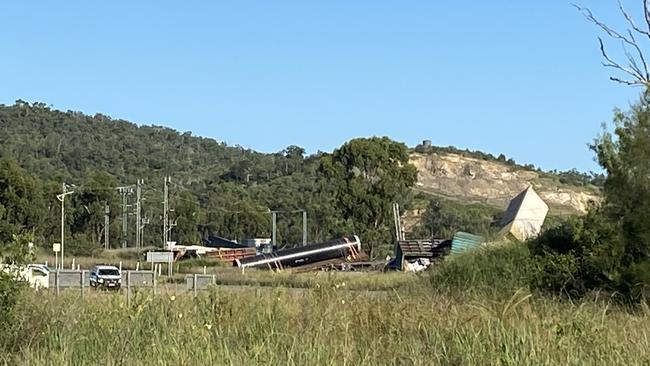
(195, 284)
(57, 282)
(82, 284)
(128, 288)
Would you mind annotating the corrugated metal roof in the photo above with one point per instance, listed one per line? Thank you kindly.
(421, 248)
(411, 249)
(464, 241)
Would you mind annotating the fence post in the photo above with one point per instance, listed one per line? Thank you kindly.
(195, 284)
(153, 272)
(57, 282)
(82, 284)
(128, 288)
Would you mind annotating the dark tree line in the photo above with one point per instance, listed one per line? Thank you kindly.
(216, 189)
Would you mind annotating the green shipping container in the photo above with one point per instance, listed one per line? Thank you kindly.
(465, 241)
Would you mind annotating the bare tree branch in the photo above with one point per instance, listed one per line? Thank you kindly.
(641, 57)
(631, 21)
(646, 13)
(613, 64)
(636, 67)
(627, 82)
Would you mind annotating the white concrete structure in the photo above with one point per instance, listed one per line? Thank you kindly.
(525, 215)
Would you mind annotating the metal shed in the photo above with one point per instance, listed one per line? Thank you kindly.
(465, 241)
(406, 250)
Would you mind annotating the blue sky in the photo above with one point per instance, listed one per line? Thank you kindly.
(521, 78)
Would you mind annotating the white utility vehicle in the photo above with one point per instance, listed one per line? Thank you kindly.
(106, 277)
(37, 275)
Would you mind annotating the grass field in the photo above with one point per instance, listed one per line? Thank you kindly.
(472, 310)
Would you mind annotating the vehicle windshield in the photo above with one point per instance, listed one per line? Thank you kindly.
(109, 272)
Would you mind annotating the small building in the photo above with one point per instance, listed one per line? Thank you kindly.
(410, 251)
(525, 216)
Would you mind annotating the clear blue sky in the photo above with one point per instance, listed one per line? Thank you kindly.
(516, 77)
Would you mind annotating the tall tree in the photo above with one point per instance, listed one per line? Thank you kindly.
(625, 155)
(369, 174)
(21, 204)
(187, 215)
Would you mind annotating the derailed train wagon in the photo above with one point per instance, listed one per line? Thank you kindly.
(349, 246)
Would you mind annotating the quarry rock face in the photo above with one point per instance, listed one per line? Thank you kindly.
(491, 182)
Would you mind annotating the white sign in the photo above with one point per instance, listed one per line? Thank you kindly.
(56, 247)
(160, 257)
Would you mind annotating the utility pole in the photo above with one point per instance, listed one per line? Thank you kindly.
(165, 214)
(107, 212)
(61, 197)
(274, 216)
(138, 214)
(125, 218)
(125, 192)
(167, 226)
(145, 222)
(304, 227)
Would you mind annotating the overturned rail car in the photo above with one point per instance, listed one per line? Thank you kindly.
(302, 256)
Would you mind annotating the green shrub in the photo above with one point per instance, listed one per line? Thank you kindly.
(499, 270)
(578, 255)
(635, 281)
(442, 219)
(80, 245)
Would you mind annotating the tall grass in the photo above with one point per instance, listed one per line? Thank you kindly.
(494, 271)
(452, 316)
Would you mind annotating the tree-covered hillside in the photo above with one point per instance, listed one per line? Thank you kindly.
(215, 189)
(60, 146)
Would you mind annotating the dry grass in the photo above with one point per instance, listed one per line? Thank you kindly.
(424, 320)
(330, 326)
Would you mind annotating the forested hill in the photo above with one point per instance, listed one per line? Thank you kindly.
(215, 189)
(69, 145)
(219, 189)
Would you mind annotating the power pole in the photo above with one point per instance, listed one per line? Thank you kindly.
(166, 212)
(125, 192)
(125, 218)
(145, 222)
(274, 216)
(304, 227)
(138, 214)
(107, 211)
(61, 197)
